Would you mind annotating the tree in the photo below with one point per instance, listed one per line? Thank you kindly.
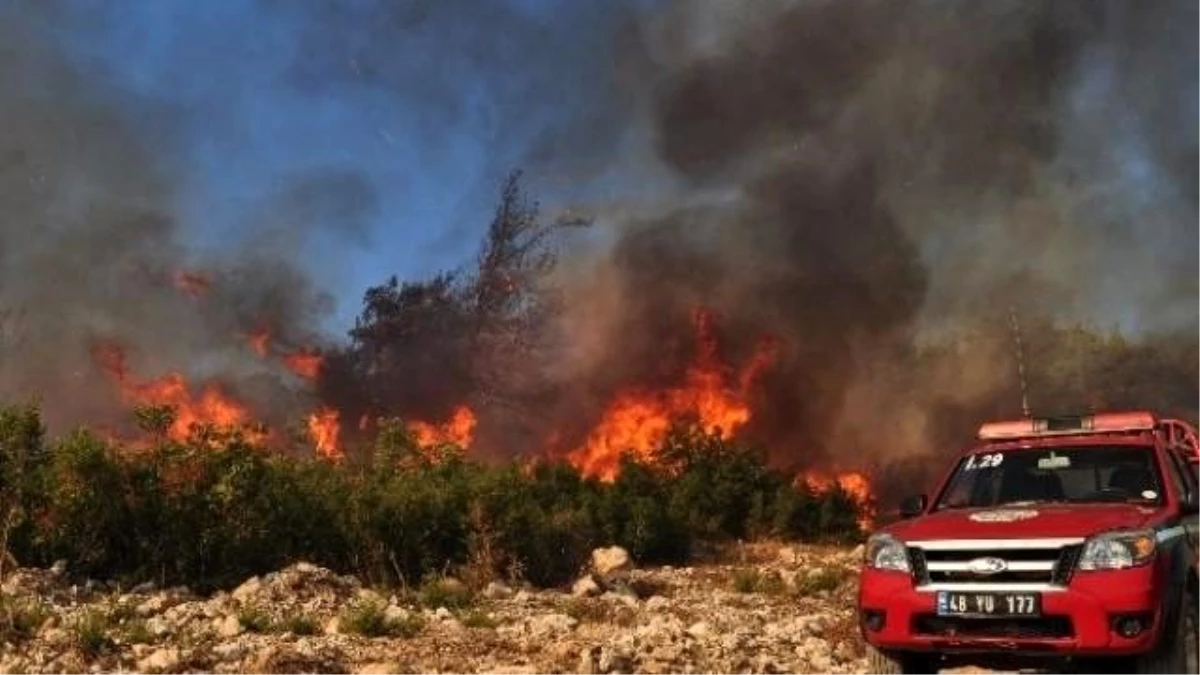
(512, 307)
(22, 453)
(419, 349)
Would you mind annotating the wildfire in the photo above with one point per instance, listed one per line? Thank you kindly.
(853, 484)
(638, 420)
(211, 406)
(260, 341)
(305, 362)
(192, 284)
(324, 425)
(458, 430)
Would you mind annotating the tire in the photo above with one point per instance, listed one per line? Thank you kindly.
(897, 663)
(1176, 652)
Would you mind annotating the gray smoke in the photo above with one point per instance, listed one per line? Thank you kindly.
(865, 178)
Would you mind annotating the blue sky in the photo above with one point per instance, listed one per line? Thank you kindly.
(370, 135)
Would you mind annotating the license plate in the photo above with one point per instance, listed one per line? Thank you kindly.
(952, 603)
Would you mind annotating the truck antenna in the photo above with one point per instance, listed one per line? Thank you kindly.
(1016, 331)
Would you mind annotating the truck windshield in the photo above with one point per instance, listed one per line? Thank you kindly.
(1117, 473)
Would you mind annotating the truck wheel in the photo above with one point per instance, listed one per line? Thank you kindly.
(1176, 652)
(896, 663)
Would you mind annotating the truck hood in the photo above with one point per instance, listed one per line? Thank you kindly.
(1024, 521)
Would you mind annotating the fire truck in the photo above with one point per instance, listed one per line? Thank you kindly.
(1066, 541)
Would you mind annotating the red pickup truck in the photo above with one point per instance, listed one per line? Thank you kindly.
(1068, 540)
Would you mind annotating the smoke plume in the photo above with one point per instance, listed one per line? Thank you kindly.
(879, 175)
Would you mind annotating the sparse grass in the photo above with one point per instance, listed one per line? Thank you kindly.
(20, 619)
(478, 619)
(827, 579)
(300, 624)
(136, 632)
(119, 612)
(750, 580)
(254, 620)
(369, 619)
(91, 633)
(445, 592)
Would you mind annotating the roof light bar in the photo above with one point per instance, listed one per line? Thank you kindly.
(1064, 426)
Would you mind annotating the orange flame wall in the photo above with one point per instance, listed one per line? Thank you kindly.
(638, 420)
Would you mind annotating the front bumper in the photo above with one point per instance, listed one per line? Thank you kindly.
(1077, 619)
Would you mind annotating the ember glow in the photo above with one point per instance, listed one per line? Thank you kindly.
(192, 284)
(324, 425)
(305, 363)
(260, 341)
(458, 430)
(210, 406)
(637, 421)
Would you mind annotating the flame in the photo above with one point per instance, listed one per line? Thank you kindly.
(854, 484)
(304, 362)
(638, 420)
(324, 425)
(212, 406)
(458, 430)
(260, 340)
(192, 284)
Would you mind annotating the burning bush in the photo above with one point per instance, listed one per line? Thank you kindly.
(216, 508)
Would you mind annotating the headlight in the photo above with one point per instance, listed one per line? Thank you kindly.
(1117, 550)
(885, 552)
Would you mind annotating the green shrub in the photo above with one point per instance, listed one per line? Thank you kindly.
(136, 632)
(91, 633)
(825, 579)
(369, 619)
(299, 624)
(444, 592)
(254, 620)
(215, 509)
(20, 619)
(478, 619)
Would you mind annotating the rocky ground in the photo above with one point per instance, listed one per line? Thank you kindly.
(759, 609)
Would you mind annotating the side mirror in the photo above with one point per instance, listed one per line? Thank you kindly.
(1190, 503)
(913, 506)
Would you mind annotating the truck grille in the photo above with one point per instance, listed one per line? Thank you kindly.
(1033, 628)
(1031, 563)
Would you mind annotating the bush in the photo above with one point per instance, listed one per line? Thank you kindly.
(254, 620)
(369, 619)
(20, 619)
(445, 592)
(215, 509)
(299, 624)
(90, 633)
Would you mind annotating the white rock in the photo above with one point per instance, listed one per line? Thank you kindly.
(306, 568)
(441, 614)
(606, 561)
(229, 626)
(496, 590)
(160, 660)
(229, 651)
(333, 626)
(699, 630)
(587, 662)
(657, 604)
(585, 586)
(248, 588)
(551, 624)
(394, 613)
